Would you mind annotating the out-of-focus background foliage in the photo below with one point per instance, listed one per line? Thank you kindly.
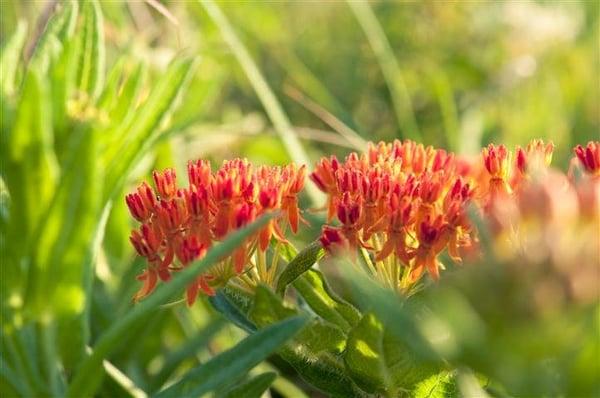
(456, 74)
(475, 72)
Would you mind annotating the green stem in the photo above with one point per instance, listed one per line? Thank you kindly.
(265, 94)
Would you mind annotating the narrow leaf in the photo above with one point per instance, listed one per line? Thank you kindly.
(300, 264)
(141, 134)
(11, 59)
(59, 27)
(91, 74)
(253, 388)
(222, 304)
(234, 363)
(318, 295)
(198, 342)
(85, 380)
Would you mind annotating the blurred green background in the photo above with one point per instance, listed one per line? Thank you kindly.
(468, 73)
(456, 74)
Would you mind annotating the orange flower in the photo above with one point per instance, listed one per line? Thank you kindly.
(382, 196)
(431, 243)
(180, 224)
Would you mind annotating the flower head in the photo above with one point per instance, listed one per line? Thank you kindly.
(382, 197)
(179, 225)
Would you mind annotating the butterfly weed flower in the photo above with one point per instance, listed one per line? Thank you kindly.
(404, 206)
(400, 204)
(179, 225)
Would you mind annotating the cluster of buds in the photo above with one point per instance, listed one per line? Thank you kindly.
(402, 204)
(178, 225)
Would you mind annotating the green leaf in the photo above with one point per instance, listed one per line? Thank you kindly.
(60, 26)
(378, 362)
(323, 370)
(142, 132)
(128, 95)
(318, 336)
(397, 314)
(365, 358)
(314, 351)
(318, 295)
(440, 385)
(222, 304)
(29, 155)
(253, 388)
(91, 72)
(228, 366)
(195, 344)
(86, 379)
(10, 59)
(302, 262)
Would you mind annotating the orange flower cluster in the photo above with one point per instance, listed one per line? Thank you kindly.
(410, 201)
(401, 205)
(400, 198)
(180, 224)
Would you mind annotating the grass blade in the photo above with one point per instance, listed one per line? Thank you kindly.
(267, 97)
(86, 378)
(389, 66)
(230, 365)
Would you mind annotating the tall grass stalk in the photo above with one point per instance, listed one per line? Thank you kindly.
(392, 74)
(265, 94)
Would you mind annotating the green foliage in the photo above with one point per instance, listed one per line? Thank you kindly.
(324, 302)
(253, 388)
(298, 264)
(378, 362)
(225, 368)
(85, 99)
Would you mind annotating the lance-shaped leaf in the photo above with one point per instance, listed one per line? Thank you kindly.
(320, 297)
(301, 263)
(142, 132)
(91, 69)
(60, 27)
(191, 347)
(253, 388)
(10, 59)
(88, 374)
(222, 303)
(228, 366)
(27, 156)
